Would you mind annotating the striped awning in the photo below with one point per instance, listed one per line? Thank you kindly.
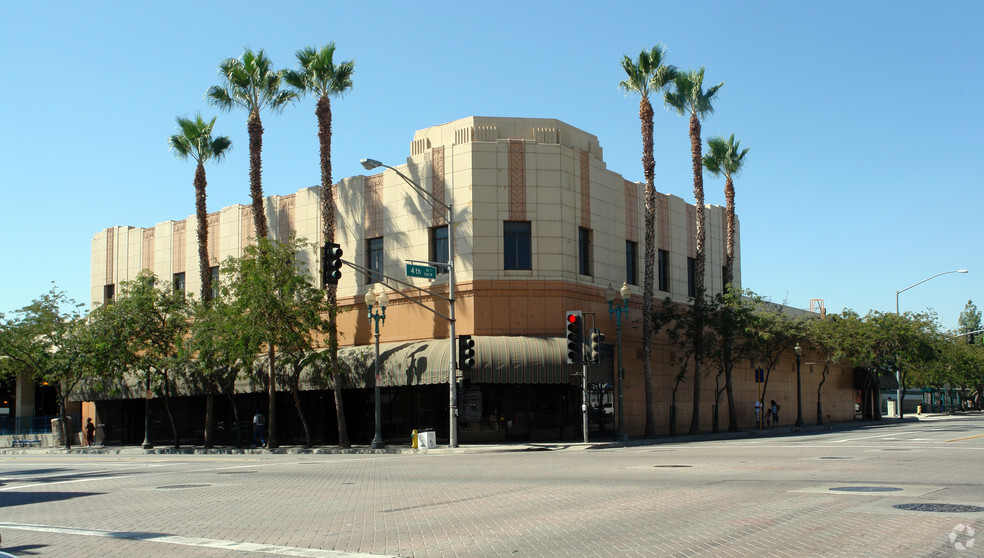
(498, 360)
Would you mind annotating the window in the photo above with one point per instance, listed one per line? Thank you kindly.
(584, 251)
(517, 245)
(109, 292)
(179, 281)
(664, 271)
(374, 259)
(631, 262)
(691, 277)
(214, 281)
(439, 247)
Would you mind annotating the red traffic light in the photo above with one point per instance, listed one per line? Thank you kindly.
(572, 318)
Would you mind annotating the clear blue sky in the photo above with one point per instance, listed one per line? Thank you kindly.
(863, 120)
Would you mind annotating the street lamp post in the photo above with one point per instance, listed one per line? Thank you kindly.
(146, 441)
(376, 316)
(370, 164)
(799, 387)
(616, 310)
(898, 375)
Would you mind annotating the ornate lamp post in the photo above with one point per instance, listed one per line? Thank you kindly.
(376, 316)
(616, 310)
(370, 164)
(799, 391)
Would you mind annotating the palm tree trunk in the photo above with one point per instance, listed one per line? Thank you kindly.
(695, 151)
(648, 167)
(201, 215)
(323, 113)
(255, 128)
(729, 257)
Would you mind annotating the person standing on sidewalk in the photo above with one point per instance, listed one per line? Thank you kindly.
(774, 409)
(259, 424)
(90, 432)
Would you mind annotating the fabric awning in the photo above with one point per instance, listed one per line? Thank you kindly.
(498, 360)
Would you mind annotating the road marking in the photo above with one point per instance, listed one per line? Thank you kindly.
(967, 438)
(194, 541)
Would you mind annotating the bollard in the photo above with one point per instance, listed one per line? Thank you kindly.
(413, 438)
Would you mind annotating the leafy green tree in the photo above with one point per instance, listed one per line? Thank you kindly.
(251, 83)
(271, 287)
(729, 321)
(772, 332)
(689, 97)
(648, 75)
(970, 321)
(154, 317)
(46, 341)
(196, 141)
(828, 338)
(318, 74)
(214, 350)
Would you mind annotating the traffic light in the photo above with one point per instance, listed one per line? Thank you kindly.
(575, 337)
(331, 264)
(596, 338)
(466, 352)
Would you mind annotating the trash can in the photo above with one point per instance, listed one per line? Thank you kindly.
(426, 439)
(891, 408)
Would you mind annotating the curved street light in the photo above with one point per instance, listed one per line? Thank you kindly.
(898, 375)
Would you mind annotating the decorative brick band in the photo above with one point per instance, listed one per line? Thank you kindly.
(631, 211)
(585, 190)
(373, 197)
(517, 180)
(438, 185)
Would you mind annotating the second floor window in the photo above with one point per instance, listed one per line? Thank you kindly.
(517, 245)
(374, 259)
(439, 247)
(179, 281)
(584, 251)
(691, 277)
(664, 271)
(214, 281)
(109, 292)
(631, 262)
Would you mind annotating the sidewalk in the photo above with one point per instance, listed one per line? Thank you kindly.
(782, 430)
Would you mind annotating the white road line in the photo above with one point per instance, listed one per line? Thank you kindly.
(194, 541)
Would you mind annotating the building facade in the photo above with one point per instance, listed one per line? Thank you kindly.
(541, 226)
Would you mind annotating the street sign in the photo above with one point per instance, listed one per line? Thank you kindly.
(759, 376)
(422, 271)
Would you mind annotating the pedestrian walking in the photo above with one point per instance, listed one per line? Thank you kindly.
(774, 410)
(90, 432)
(259, 427)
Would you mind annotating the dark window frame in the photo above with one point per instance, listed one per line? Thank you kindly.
(584, 251)
(691, 277)
(374, 259)
(517, 249)
(440, 247)
(631, 262)
(663, 271)
(179, 282)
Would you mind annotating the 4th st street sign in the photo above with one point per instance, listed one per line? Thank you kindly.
(421, 271)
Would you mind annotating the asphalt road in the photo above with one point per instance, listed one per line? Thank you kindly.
(828, 493)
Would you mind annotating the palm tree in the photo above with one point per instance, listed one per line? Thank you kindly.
(319, 74)
(195, 140)
(726, 157)
(252, 84)
(689, 97)
(648, 75)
